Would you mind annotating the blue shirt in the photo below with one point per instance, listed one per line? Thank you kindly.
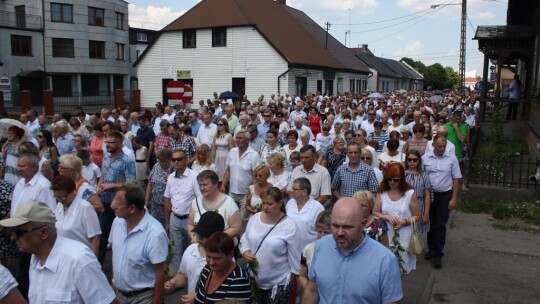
(195, 128)
(262, 129)
(119, 170)
(348, 182)
(136, 254)
(64, 144)
(441, 171)
(369, 274)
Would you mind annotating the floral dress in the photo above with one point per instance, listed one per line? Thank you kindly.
(158, 179)
(334, 160)
(376, 229)
(8, 249)
(420, 182)
(267, 150)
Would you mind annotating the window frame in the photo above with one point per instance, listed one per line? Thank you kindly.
(63, 53)
(189, 34)
(120, 22)
(222, 32)
(96, 50)
(21, 39)
(94, 16)
(142, 34)
(62, 15)
(120, 51)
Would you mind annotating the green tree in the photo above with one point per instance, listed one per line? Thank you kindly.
(435, 76)
(452, 78)
(418, 65)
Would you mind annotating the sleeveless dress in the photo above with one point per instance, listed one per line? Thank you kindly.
(222, 150)
(420, 182)
(256, 201)
(96, 150)
(401, 209)
(315, 124)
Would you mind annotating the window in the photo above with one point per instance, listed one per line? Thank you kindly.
(96, 16)
(61, 12)
(62, 47)
(142, 37)
(21, 45)
(97, 49)
(20, 16)
(351, 85)
(120, 51)
(219, 36)
(119, 21)
(189, 39)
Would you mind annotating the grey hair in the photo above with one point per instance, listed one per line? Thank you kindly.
(33, 158)
(245, 131)
(164, 123)
(84, 141)
(164, 155)
(338, 138)
(304, 134)
(442, 129)
(63, 124)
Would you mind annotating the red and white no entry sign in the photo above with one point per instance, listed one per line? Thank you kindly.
(175, 89)
(188, 94)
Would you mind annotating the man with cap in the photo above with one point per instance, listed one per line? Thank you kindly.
(139, 249)
(61, 269)
(194, 258)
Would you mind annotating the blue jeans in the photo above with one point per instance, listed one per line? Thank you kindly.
(178, 233)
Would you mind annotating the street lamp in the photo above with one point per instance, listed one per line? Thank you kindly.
(463, 37)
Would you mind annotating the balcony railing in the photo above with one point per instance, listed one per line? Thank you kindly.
(12, 19)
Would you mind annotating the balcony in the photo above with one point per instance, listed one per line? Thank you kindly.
(11, 19)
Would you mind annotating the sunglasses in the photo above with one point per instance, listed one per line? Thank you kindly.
(40, 136)
(412, 160)
(20, 232)
(266, 115)
(220, 125)
(365, 158)
(395, 180)
(179, 159)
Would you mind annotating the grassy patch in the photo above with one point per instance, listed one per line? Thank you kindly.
(524, 216)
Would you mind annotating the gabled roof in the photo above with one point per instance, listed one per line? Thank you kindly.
(376, 64)
(291, 32)
(398, 68)
(411, 70)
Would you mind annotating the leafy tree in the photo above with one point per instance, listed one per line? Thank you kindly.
(418, 65)
(435, 75)
(452, 78)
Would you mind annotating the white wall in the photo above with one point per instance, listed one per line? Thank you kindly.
(246, 55)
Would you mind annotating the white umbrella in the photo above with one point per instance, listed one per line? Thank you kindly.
(376, 95)
(6, 123)
(436, 98)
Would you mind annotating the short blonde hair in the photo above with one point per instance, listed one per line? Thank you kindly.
(366, 196)
(277, 158)
(263, 169)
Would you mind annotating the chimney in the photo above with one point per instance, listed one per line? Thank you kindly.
(284, 2)
(365, 48)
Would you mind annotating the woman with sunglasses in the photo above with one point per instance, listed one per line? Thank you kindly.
(396, 204)
(47, 149)
(417, 142)
(221, 145)
(367, 158)
(415, 176)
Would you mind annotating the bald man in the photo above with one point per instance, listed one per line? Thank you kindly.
(361, 271)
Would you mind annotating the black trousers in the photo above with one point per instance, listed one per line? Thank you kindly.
(105, 221)
(512, 110)
(438, 217)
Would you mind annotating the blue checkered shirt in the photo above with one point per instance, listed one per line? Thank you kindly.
(119, 170)
(348, 182)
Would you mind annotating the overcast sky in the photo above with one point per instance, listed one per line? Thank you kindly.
(391, 28)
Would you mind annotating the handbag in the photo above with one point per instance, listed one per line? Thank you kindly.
(416, 244)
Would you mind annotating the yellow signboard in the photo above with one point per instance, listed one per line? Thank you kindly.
(183, 74)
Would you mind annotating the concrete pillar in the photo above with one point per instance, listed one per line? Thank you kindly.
(136, 98)
(48, 102)
(118, 98)
(26, 100)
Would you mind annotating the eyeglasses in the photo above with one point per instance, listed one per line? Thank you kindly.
(220, 125)
(413, 160)
(395, 180)
(40, 136)
(358, 135)
(365, 157)
(297, 189)
(20, 232)
(371, 114)
(111, 142)
(266, 115)
(179, 159)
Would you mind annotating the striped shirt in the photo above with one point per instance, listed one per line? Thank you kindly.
(237, 286)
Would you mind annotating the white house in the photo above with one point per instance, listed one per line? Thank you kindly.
(251, 47)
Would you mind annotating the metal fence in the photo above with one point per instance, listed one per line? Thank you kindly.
(511, 172)
(22, 21)
(67, 104)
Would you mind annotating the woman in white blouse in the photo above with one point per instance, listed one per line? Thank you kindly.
(272, 247)
(75, 217)
(279, 176)
(304, 210)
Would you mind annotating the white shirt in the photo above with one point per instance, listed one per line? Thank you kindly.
(80, 222)
(191, 266)
(156, 126)
(38, 189)
(206, 133)
(305, 219)
(182, 190)
(33, 127)
(91, 173)
(241, 169)
(71, 274)
(168, 117)
(226, 209)
(7, 282)
(450, 148)
(367, 126)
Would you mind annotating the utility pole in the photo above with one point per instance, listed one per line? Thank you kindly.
(327, 29)
(462, 45)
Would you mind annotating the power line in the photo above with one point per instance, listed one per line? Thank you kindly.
(392, 25)
(383, 21)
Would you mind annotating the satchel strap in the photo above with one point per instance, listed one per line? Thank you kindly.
(267, 233)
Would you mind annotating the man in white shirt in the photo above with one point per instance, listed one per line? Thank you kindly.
(181, 190)
(207, 131)
(33, 123)
(157, 120)
(33, 186)
(169, 114)
(368, 123)
(61, 269)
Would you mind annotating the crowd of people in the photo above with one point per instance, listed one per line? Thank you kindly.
(180, 195)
